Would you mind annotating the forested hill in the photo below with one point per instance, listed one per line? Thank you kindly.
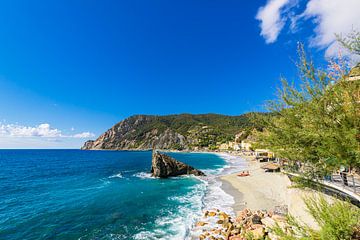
(183, 131)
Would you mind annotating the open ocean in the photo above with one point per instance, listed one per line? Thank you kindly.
(74, 194)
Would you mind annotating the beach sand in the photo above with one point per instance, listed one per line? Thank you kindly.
(264, 191)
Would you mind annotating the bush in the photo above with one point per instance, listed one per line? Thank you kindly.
(339, 220)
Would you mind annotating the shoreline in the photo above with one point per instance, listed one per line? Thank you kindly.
(259, 191)
(238, 196)
(227, 193)
(264, 191)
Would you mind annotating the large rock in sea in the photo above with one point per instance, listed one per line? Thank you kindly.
(164, 166)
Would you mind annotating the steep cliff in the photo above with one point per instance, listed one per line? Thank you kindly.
(184, 131)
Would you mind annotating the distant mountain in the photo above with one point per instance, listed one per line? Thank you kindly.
(183, 131)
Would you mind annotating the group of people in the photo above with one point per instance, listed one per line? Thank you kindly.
(243, 174)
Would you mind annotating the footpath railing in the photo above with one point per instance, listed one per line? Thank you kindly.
(347, 181)
(343, 182)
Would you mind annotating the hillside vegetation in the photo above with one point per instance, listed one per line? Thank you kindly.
(182, 131)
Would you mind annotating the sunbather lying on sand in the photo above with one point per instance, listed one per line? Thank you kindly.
(243, 174)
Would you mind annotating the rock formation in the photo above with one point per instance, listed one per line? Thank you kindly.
(216, 224)
(138, 132)
(164, 166)
(88, 145)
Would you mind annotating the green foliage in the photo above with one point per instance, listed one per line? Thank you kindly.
(213, 147)
(207, 130)
(317, 123)
(304, 183)
(177, 147)
(296, 232)
(351, 41)
(337, 221)
(249, 236)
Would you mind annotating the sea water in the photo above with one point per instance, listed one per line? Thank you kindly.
(74, 194)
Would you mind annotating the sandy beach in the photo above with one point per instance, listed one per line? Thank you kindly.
(264, 191)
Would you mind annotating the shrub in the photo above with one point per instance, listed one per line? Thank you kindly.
(338, 220)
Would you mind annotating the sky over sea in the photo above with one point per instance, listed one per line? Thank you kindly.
(69, 70)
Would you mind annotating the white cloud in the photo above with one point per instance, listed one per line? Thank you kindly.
(271, 19)
(14, 136)
(43, 130)
(330, 17)
(84, 135)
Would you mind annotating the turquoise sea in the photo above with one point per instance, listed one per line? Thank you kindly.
(74, 194)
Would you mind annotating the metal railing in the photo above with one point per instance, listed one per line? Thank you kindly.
(346, 180)
(342, 180)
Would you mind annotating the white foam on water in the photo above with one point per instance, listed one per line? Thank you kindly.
(212, 171)
(104, 183)
(234, 163)
(215, 197)
(207, 195)
(115, 236)
(177, 223)
(143, 175)
(119, 175)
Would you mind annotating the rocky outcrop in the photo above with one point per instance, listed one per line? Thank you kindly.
(88, 145)
(216, 224)
(138, 132)
(164, 166)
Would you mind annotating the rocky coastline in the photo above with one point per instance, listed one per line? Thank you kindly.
(247, 224)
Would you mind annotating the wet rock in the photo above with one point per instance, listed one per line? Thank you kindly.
(200, 224)
(212, 214)
(255, 223)
(220, 221)
(206, 213)
(223, 216)
(202, 237)
(164, 166)
(256, 219)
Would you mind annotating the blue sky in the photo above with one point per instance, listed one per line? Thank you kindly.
(69, 70)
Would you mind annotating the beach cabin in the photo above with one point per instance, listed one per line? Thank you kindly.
(264, 155)
(271, 167)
